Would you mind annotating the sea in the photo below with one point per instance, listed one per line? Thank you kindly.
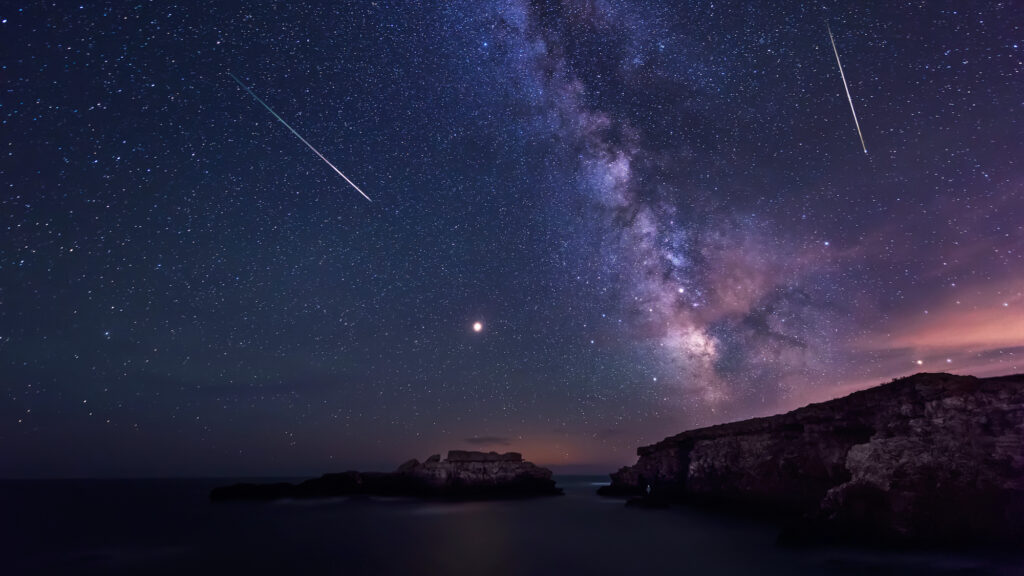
(138, 527)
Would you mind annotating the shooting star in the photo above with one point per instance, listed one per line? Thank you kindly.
(315, 151)
(848, 97)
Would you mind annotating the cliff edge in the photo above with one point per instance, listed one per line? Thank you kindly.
(928, 459)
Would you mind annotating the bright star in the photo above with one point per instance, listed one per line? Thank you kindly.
(478, 326)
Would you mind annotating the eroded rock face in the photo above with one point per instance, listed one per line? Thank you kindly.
(470, 456)
(463, 475)
(480, 474)
(932, 458)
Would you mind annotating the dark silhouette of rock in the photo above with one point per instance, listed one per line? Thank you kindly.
(929, 459)
(470, 456)
(408, 466)
(462, 476)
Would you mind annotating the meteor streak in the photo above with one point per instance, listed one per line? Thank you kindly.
(315, 151)
(848, 97)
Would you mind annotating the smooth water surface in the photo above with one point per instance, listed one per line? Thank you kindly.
(170, 527)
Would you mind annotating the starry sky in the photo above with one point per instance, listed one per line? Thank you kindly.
(593, 224)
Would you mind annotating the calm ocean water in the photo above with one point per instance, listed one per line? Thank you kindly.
(169, 527)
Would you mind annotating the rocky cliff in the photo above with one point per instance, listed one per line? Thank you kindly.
(928, 459)
(463, 475)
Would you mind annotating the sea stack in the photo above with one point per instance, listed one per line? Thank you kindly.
(464, 475)
(931, 459)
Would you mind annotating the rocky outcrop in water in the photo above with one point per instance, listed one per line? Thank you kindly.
(928, 459)
(463, 475)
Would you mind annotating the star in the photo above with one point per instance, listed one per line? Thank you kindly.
(584, 176)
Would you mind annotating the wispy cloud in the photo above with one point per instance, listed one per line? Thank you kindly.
(985, 317)
(489, 441)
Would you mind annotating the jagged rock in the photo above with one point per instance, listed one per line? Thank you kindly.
(409, 465)
(928, 459)
(463, 475)
(481, 473)
(625, 483)
(469, 456)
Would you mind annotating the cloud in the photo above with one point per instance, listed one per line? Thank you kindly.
(996, 327)
(489, 441)
(986, 316)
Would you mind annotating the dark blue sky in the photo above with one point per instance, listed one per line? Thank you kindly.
(661, 215)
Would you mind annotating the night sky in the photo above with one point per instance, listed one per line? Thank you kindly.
(660, 215)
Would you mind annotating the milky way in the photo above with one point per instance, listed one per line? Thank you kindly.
(707, 300)
(653, 213)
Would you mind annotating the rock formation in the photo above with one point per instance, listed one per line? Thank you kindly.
(927, 459)
(463, 475)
